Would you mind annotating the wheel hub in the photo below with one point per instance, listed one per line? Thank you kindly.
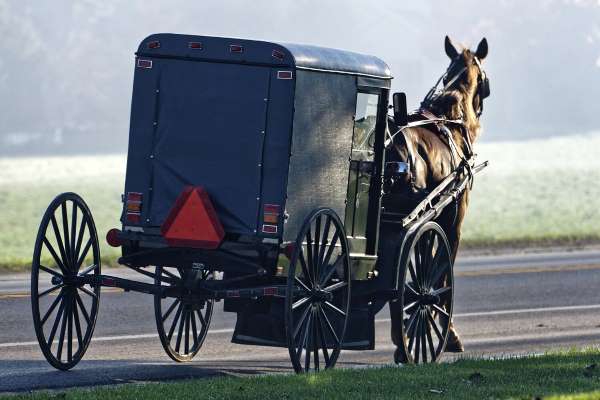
(429, 299)
(56, 280)
(319, 295)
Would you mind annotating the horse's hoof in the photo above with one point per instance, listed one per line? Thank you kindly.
(454, 344)
(399, 357)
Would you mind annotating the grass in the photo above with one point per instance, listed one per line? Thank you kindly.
(571, 375)
(536, 192)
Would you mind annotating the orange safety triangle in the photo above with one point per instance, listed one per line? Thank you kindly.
(193, 222)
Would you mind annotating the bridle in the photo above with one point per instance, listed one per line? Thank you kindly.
(483, 84)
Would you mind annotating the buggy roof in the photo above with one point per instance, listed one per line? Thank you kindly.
(253, 52)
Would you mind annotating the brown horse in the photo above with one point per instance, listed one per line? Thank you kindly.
(430, 155)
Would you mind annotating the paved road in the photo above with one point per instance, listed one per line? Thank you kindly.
(503, 305)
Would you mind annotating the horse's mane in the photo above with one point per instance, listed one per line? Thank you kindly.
(458, 103)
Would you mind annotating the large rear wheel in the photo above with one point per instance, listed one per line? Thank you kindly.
(65, 310)
(317, 304)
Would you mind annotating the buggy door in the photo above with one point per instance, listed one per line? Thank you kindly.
(362, 170)
(211, 123)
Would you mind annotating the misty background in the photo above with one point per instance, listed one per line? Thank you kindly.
(66, 68)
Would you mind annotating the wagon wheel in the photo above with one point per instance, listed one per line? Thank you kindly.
(64, 309)
(427, 295)
(318, 293)
(182, 321)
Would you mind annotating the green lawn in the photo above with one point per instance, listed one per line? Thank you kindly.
(572, 375)
(533, 192)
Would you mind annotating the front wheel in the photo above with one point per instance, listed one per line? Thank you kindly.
(426, 296)
(317, 304)
(65, 310)
(182, 321)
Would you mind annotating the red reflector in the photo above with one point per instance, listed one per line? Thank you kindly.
(270, 291)
(284, 75)
(134, 196)
(112, 238)
(134, 218)
(154, 45)
(271, 208)
(236, 48)
(269, 228)
(278, 54)
(195, 45)
(193, 221)
(144, 63)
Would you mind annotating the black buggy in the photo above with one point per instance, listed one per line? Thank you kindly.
(255, 176)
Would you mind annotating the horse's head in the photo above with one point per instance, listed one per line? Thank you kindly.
(465, 73)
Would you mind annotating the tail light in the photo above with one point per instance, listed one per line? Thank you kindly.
(195, 45)
(236, 48)
(133, 207)
(271, 213)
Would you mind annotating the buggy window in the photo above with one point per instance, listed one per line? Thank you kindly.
(365, 120)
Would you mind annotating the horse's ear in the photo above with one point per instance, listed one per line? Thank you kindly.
(482, 49)
(451, 50)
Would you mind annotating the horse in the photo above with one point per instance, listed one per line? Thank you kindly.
(432, 156)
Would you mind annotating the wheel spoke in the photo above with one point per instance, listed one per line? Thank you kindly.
(441, 310)
(50, 271)
(410, 294)
(322, 336)
(82, 227)
(331, 248)
(302, 284)
(63, 208)
(315, 344)
(73, 230)
(83, 310)
(61, 248)
(430, 341)
(308, 343)
(52, 307)
(440, 273)
(57, 320)
(413, 322)
(301, 321)
(83, 253)
(180, 332)
(170, 310)
(435, 260)
(410, 306)
(78, 327)
(88, 292)
(336, 286)
(61, 337)
(334, 308)
(170, 274)
(174, 323)
(52, 289)
(317, 242)
(434, 326)
(89, 269)
(443, 292)
(201, 318)
(300, 302)
(305, 270)
(324, 239)
(57, 259)
(411, 270)
(304, 338)
(309, 257)
(423, 338)
(70, 332)
(187, 333)
(329, 326)
(418, 339)
(331, 270)
(194, 330)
